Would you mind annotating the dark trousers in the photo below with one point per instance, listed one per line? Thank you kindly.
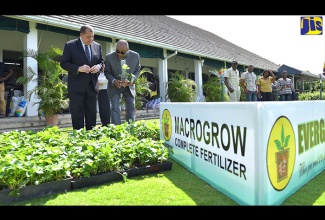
(104, 107)
(83, 108)
(266, 96)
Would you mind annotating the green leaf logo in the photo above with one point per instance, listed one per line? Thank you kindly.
(281, 145)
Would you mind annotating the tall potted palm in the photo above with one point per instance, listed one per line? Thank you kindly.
(214, 88)
(180, 89)
(50, 90)
(142, 87)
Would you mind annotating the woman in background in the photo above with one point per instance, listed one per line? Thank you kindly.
(104, 105)
(264, 89)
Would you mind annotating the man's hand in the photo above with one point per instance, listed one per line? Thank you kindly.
(122, 83)
(231, 90)
(84, 69)
(94, 69)
(126, 83)
(130, 83)
(117, 83)
(87, 69)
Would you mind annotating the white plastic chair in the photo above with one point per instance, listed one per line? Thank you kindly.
(156, 103)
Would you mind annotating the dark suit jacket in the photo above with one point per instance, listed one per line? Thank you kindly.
(113, 69)
(73, 57)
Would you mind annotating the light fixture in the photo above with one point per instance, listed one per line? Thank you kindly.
(16, 64)
(202, 61)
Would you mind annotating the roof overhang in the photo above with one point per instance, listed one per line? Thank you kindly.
(302, 75)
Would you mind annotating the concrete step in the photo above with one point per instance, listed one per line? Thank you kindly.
(38, 123)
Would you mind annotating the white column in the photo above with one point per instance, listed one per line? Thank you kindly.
(30, 43)
(198, 64)
(163, 75)
(163, 78)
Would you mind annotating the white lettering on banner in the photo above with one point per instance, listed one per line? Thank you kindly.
(212, 133)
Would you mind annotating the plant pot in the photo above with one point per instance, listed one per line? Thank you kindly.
(95, 180)
(115, 176)
(144, 170)
(52, 120)
(33, 191)
(282, 160)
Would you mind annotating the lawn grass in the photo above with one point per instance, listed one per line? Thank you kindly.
(177, 187)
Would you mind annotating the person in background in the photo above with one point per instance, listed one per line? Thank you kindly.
(322, 75)
(248, 84)
(5, 73)
(264, 90)
(231, 76)
(104, 105)
(285, 87)
(275, 91)
(82, 58)
(153, 86)
(122, 56)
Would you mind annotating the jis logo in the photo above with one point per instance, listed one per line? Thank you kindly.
(311, 25)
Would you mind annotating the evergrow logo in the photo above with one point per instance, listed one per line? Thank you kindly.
(166, 124)
(311, 25)
(281, 153)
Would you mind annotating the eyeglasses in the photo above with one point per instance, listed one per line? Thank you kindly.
(117, 51)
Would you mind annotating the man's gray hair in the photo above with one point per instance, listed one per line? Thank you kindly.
(123, 42)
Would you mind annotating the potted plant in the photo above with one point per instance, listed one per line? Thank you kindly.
(180, 89)
(142, 87)
(214, 89)
(50, 90)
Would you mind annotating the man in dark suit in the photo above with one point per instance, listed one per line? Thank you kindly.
(117, 84)
(83, 77)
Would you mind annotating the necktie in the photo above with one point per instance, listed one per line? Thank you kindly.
(87, 53)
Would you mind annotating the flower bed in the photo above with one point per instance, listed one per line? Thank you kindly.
(32, 191)
(29, 158)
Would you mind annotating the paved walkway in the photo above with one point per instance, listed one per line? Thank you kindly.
(38, 123)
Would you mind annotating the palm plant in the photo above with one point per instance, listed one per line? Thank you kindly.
(180, 89)
(213, 90)
(50, 89)
(141, 88)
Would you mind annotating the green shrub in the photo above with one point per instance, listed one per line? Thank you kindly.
(180, 89)
(213, 90)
